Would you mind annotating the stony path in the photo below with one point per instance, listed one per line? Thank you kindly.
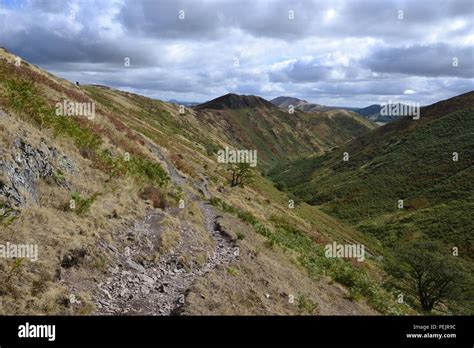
(158, 288)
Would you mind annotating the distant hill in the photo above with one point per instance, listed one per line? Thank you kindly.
(235, 101)
(371, 112)
(255, 123)
(299, 104)
(181, 102)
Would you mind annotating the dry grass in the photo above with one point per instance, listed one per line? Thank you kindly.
(34, 288)
(243, 288)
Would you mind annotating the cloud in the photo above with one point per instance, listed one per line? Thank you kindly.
(306, 69)
(424, 60)
(349, 52)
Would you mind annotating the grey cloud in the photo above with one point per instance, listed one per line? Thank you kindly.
(44, 46)
(301, 71)
(423, 60)
(213, 19)
(214, 32)
(50, 6)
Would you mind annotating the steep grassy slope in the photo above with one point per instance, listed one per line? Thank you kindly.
(140, 174)
(275, 133)
(409, 160)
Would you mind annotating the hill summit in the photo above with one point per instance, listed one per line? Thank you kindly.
(235, 101)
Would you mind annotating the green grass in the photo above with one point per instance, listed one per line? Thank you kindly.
(82, 204)
(306, 305)
(24, 98)
(417, 167)
(404, 160)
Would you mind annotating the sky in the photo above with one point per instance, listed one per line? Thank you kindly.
(334, 52)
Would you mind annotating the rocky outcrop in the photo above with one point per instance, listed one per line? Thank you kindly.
(19, 177)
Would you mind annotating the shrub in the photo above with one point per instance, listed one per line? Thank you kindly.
(82, 205)
(305, 304)
(155, 195)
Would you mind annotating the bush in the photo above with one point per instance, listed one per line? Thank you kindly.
(155, 195)
(305, 304)
(82, 205)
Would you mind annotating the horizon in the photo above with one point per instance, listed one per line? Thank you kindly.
(389, 101)
(305, 49)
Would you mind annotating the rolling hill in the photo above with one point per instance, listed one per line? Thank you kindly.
(371, 112)
(132, 214)
(406, 181)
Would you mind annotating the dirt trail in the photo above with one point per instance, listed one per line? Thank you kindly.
(158, 288)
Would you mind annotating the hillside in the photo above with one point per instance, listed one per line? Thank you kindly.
(371, 111)
(405, 159)
(409, 160)
(132, 214)
(254, 123)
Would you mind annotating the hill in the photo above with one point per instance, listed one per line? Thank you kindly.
(372, 112)
(253, 123)
(426, 163)
(235, 101)
(299, 104)
(406, 159)
(132, 214)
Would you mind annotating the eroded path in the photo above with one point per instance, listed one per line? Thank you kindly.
(158, 287)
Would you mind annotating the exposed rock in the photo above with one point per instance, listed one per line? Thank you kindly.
(148, 280)
(20, 183)
(135, 266)
(159, 288)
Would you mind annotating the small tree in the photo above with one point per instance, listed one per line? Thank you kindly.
(241, 174)
(423, 271)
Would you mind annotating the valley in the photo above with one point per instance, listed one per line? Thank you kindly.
(156, 227)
